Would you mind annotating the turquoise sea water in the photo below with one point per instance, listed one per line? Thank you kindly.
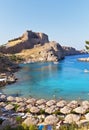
(65, 80)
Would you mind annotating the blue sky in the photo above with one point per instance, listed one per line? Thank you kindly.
(65, 21)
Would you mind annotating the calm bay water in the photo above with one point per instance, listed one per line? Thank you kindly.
(65, 80)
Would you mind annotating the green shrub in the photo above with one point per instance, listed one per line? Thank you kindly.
(42, 111)
(15, 106)
(25, 126)
(57, 112)
(69, 127)
(18, 119)
(7, 128)
(15, 58)
(33, 127)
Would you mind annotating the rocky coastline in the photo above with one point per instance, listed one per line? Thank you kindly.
(36, 47)
(68, 51)
(32, 111)
(7, 78)
(7, 70)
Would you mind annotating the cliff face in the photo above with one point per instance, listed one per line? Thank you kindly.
(72, 51)
(32, 46)
(51, 51)
(27, 41)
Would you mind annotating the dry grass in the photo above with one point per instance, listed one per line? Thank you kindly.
(13, 43)
(30, 53)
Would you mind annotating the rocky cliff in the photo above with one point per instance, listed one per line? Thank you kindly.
(27, 41)
(72, 51)
(35, 46)
(51, 51)
(32, 46)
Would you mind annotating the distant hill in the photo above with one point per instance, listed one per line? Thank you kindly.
(35, 47)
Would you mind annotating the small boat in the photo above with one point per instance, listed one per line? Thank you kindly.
(55, 62)
(86, 71)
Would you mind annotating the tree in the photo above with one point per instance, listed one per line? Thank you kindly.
(87, 45)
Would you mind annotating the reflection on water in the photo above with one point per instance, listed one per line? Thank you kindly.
(48, 80)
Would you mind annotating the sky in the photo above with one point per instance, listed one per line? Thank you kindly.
(64, 21)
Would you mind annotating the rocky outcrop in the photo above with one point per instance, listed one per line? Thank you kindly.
(72, 51)
(6, 65)
(27, 41)
(51, 51)
(34, 47)
(7, 68)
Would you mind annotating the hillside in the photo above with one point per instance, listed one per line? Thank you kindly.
(35, 47)
(32, 46)
(49, 52)
(6, 65)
